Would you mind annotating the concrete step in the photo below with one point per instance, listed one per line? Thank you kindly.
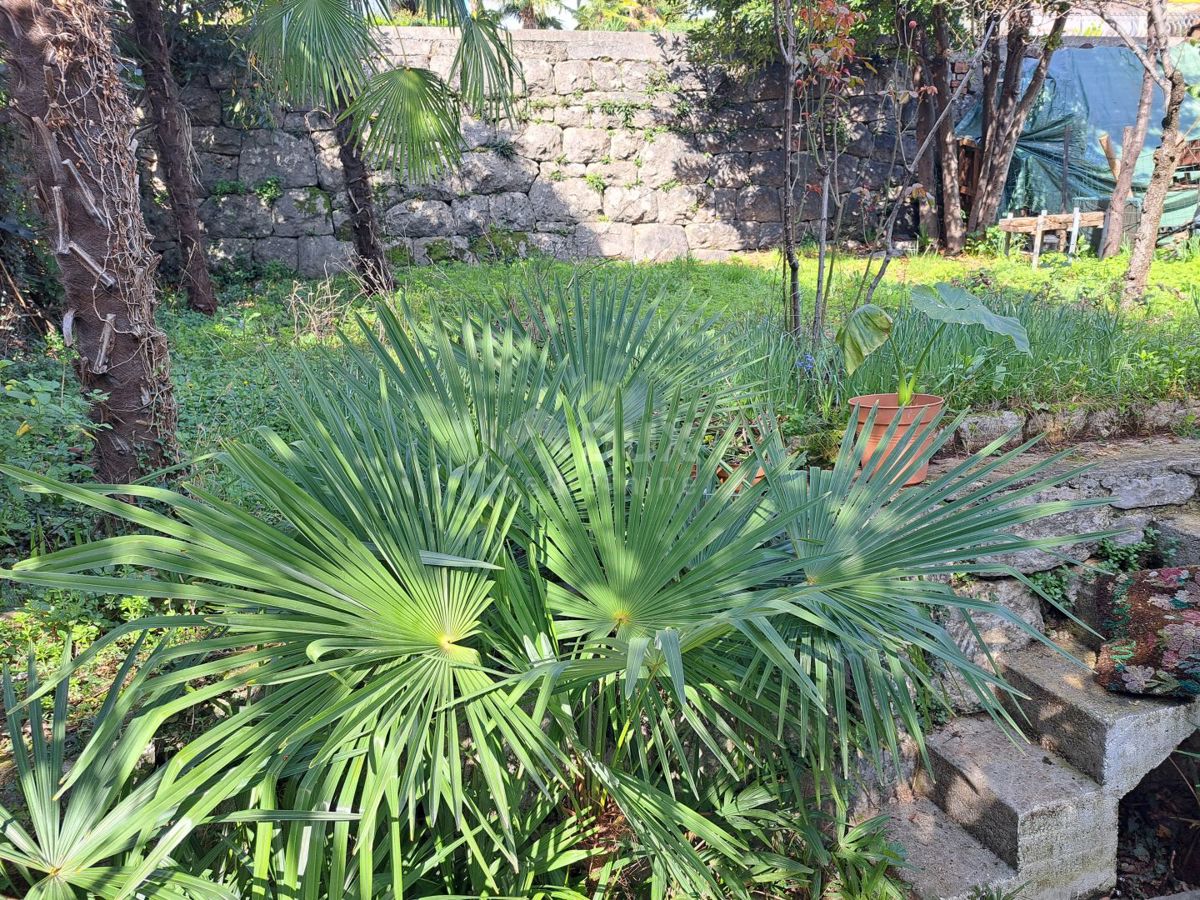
(944, 862)
(1043, 817)
(1113, 738)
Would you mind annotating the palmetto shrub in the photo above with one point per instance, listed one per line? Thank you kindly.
(502, 632)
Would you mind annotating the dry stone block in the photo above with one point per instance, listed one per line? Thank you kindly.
(658, 243)
(731, 170)
(571, 76)
(1058, 427)
(471, 214)
(611, 239)
(329, 169)
(758, 204)
(488, 173)
(670, 158)
(323, 255)
(999, 632)
(626, 144)
(512, 210)
(303, 211)
(1067, 524)
(614, 172)
(440, 249)
(278, 249)
(1179, 530)
(980, 429)
(201, 102)
(215, 167)
(715, 236)
(573, 116)
(584, 145)
(634, 204)
(539, 141)
(606, 76)
(768, 168)
(217, 140)
(539, 75)
(683, 205)
(570, 200)
(1104, 423)
(237, 216)
(1136, 491)
(418, 218)
(558, 246)
(227, 250)
(267, 153)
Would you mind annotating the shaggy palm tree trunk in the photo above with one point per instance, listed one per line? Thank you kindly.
(174, 146)
(67, 92)
(370, 258)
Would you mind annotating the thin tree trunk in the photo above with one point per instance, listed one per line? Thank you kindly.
(528, 15)
(174, 147)
(1131, 149)
(824, 275)
(953, 234)
(785, 30)
(991, 82)
(1009, 121)
(66, 88)
(371, 260)
(928, 209)
(1166, 159)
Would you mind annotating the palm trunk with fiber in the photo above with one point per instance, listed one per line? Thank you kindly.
(174, 146)
(66, 90)
(370, 258)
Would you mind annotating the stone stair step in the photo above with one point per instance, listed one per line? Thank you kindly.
(1050, 822)
(1180, 526)
(944, 862)
(1114, 738)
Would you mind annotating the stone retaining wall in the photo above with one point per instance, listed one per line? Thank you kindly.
(623, 149)
(1152, 483)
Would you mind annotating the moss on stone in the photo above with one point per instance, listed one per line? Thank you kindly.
(498, 244)
(399, 255)
(440, 250)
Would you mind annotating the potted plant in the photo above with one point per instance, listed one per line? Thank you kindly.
(868, 328)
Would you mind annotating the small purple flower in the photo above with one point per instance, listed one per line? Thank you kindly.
(806, 363)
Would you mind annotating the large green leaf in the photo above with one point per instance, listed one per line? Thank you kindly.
(864, 331)
(956, 306)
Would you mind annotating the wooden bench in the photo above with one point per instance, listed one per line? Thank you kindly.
(1039, 225)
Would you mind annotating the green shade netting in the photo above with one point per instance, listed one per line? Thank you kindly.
(1090, 92)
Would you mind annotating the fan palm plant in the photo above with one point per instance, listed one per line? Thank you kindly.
(328, 53)
(500, 615)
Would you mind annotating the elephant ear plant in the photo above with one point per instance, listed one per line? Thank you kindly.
(869, 327)
(485, 624)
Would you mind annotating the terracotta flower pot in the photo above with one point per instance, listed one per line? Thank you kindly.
(915, 416)
(724, 474)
